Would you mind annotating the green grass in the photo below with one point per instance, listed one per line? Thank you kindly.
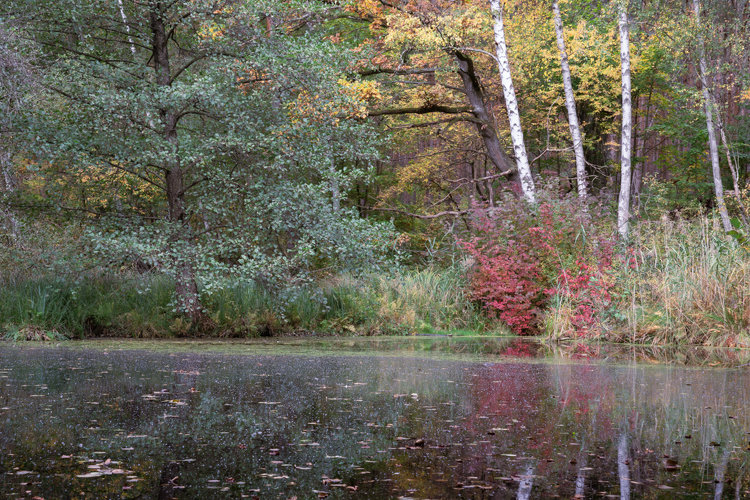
(426, 301)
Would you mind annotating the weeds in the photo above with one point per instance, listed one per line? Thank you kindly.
(688, 284)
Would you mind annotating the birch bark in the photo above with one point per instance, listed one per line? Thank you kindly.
(623, 467)
(623, 206)
(514, 117)
(570, 104)
(733, 166)
(127, 27)
(713, 147)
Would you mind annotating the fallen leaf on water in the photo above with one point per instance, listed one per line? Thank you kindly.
(89, 475)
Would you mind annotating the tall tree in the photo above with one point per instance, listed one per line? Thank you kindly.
(15, 85)
(623, 206)
(511, 104)
(709, 106)
(570, 104)
(234, 146)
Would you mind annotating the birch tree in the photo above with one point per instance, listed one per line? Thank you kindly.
(713, 147)
(623, 206)
(570, 104)
(623, 467)
(15, 83)
(514, 117)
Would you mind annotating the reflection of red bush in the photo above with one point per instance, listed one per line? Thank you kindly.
(519, 349)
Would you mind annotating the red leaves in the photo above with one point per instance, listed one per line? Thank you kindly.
(507, 282)
(522, 259)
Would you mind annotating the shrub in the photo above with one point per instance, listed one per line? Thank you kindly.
(526, 258)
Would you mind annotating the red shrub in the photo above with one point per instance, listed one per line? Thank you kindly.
(507, 282)
(523, 257)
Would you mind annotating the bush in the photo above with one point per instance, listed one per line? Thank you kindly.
(526, 258)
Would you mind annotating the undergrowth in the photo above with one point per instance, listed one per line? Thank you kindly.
(140, 306)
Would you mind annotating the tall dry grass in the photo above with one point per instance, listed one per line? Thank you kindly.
(687, 283)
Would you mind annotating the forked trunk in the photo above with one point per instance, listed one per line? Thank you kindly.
(186, 288)
(733, 165)
(484, 120)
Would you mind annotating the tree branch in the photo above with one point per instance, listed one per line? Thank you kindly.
(447, 213)
(421, 110)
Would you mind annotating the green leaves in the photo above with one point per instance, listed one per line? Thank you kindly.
(249, 120)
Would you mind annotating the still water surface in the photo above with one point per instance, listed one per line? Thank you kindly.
(411, 418)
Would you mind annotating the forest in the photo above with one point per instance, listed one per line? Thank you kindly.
(573, 169)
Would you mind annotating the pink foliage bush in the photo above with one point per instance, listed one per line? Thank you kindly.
(523, 258)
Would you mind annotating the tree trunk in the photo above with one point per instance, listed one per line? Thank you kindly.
(10, 186)
(526, 484)
(712, 144)
(127, 26)
(720, 475)
(514, 117)
(623, 467)
(570, 104)
(623, 206)
(733, 166)
(186, 288)
(581, 478)
(484, 121)
(335, 190)
(639, 170)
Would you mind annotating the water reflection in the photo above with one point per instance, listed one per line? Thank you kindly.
(128, 424)
(623, 466)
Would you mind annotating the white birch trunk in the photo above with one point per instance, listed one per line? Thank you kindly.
(733, 165)
(526, 483)
(623, 206)
(581, 478)
(623, 467)
(712, 143)
(514, 117)
(719, 475)
(570, 103)
(127, 26)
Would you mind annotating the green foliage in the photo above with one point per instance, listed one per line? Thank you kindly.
(221, 158)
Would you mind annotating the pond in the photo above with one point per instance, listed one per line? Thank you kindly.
(372, 418)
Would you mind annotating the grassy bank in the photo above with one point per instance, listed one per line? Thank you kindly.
(680, 282)
(690, 283)
(423, 301)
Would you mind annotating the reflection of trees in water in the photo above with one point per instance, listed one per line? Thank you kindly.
(623, 466)
(565, 424)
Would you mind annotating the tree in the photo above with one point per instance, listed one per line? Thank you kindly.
(511, 104)
(15, 85)
(709, 106)
(623, 207)
(570, 104)
(230, 114)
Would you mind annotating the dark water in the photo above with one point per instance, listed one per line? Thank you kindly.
(115, 422)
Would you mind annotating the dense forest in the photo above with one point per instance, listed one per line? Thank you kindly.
(572, 168)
